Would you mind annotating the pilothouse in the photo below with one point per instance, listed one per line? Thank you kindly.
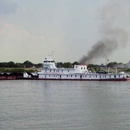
(49, 64)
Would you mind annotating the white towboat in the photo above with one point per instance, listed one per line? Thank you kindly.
(79, 72)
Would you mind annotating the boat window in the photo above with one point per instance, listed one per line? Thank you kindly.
(67, 75)
(114, 76)
(68, 70)
(110, 76)
(119, 75)
(50, 70)
(84, 67)
(71, 75)
(75, 75)
(81, 67)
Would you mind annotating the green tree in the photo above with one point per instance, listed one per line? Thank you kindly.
(28, 64)
(4, 64)
(11, 64)
(75, 63)
(67, 65)
(59, 65)
(19, 65)
(39, 65)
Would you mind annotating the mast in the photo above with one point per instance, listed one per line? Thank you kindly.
(107, 63)
(52, 53)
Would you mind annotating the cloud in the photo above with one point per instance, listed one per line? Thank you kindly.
(7, 7)
(18, 44)
(8, 30)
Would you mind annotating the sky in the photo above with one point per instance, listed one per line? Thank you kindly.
(66, 29)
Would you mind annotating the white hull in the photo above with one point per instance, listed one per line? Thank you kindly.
(79, 72)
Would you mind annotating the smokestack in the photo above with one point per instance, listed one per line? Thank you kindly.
(112, 37)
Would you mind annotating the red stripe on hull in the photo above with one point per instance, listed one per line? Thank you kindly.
(123, 79)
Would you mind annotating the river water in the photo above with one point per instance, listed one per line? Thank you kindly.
(64, 105)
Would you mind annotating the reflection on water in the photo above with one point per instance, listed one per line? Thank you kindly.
(64, 105)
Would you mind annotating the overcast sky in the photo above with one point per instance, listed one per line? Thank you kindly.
(32, 29)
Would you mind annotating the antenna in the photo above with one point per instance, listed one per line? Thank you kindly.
(107, 60)
(52, 53)
(107, 63)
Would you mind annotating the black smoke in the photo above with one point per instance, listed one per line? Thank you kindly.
(112, 37)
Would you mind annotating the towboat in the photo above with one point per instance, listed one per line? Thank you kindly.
(78, 72)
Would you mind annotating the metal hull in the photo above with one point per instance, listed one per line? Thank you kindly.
(112, 79)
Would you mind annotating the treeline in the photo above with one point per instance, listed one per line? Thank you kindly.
(26, 64)
(29, 64)
(66, 64)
